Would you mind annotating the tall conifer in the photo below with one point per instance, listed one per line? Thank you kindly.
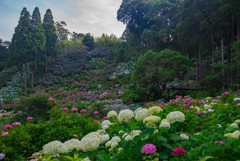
(39, 40)
(51, 36)
(20, 47)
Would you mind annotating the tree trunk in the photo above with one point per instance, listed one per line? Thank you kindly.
(222, 49)
(21, 73)
(197, 73)
(32, 84)
(46, 67)
(25, 81)
(213, 54)
(238, 29)
(200, 66)
(232, 36)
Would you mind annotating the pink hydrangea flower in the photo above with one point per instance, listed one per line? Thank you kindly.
(51, 99)
(74, 109)
(95, 112)
(178, 150)
(5, 134)
(8, 126)
(221, 142)
(99, 123)
(127, 121)
(105, 117)
(149, 149)
(16, 123)
(65, 109)
(75, 135)
(225, 93)
(83, 111)
(29, 118)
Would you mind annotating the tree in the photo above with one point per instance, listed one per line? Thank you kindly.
(152, 73)
(88, 40)
(163, 19)
(62, 33)
(131, 13)
(3, 54)
(21, 44)
(38, 55)
(51, 36)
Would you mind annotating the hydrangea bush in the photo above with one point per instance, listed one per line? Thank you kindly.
(178, 131)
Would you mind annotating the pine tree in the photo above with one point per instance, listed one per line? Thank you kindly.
(20, 47)
(39, 41)
(51, 36)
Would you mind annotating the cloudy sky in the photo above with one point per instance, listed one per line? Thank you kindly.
(81, 16)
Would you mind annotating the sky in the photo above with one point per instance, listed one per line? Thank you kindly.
(81, 16)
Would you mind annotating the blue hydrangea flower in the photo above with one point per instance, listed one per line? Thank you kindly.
(1, 156)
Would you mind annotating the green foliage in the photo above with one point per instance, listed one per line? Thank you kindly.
(106, 41)
(97, 106)
(28, 138)
(50, 34)
(88, 41)
(38, 50)
(152, 72)
(62, 32)
(20, 47)
(36, 106)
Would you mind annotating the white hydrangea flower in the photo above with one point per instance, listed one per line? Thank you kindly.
(114, 145)
(125, 115)
(184, 137)
(128, 137)
(207, 106)
(116, 139)
(62, 149)
(135, 133)
(73, 144)
(141, 114)
(237, 121)
(175, 116)
(235, 134)
(151, 120)
(219, 125)
(138, 109)
(105, 122)
(120, 149)
(52, 147)
(105, 127)
(121, 132)
(235, 125)
(91, 141)
(101, 132)
(112, 114)
(164, 124)
(108, 144)
(154, 110)
(124, 135)
(156, 131)
(197, 108)
(105, 138)
(86, 159)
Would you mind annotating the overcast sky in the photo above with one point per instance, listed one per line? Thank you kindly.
(81, 16)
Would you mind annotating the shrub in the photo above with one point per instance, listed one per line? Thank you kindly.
(25, 139)
(35, 106)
